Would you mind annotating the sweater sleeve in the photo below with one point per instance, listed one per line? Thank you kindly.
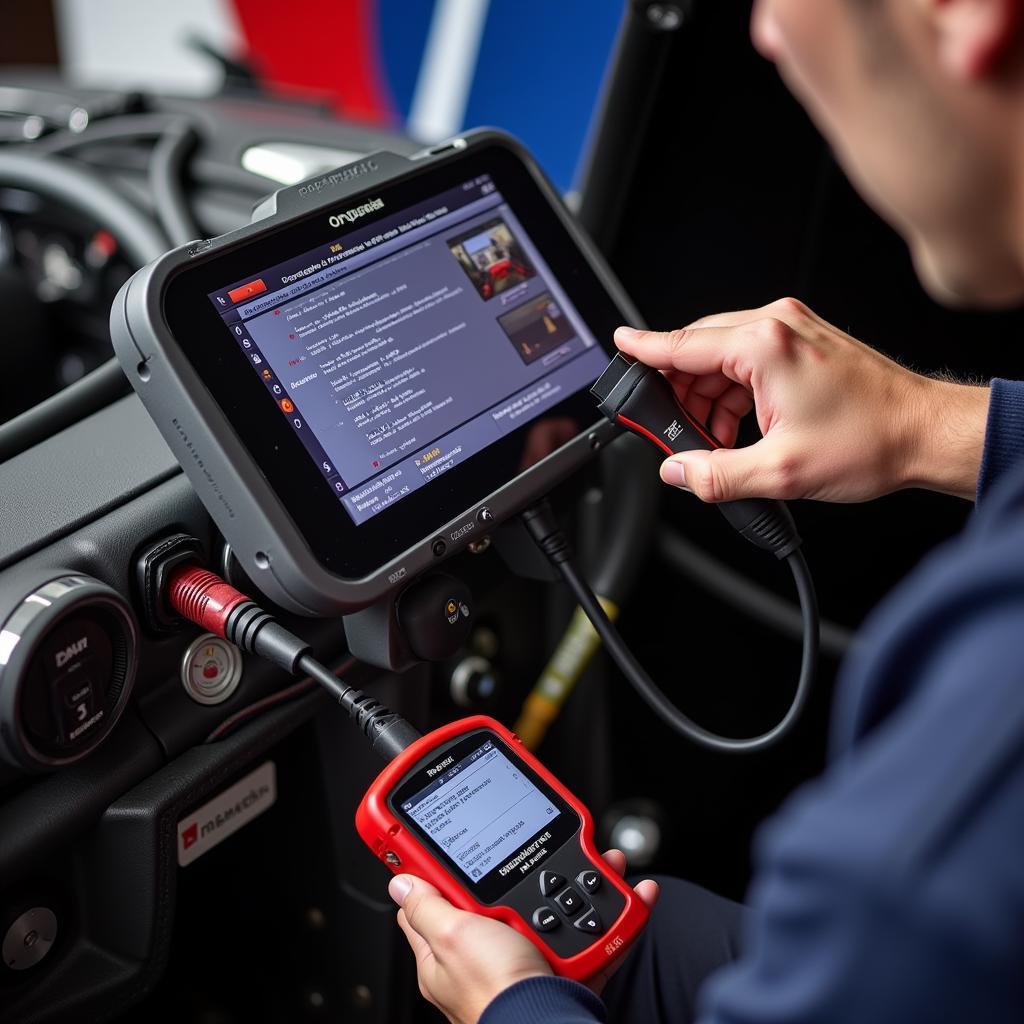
(549, 1000)
(1004, 433)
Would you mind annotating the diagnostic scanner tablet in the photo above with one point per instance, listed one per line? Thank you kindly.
(392, 359)
(470, 810)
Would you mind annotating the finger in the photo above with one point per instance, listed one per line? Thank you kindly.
(734, 352)
(426, 911)
(793, 311)
(726, 474)
(420, 947)
(616, 860)
(733, 318)
(729, 409)
(648, 890)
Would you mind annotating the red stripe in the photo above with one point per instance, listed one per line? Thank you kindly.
(646, 433)
(329, 46)
(712, 443)
(626, 422)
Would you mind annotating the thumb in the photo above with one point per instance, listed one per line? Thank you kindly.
(426, 910)
(727, 474)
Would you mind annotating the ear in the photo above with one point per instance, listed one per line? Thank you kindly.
(974, 37)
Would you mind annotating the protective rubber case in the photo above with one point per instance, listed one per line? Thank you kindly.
(246, 509)
(402, 851)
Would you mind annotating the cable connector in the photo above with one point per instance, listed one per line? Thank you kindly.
(542, 524)
(643, 401)
(202, 597)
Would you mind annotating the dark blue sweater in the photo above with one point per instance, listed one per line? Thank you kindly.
(891, 890)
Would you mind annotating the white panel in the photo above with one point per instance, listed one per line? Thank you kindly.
(446, 74)
(141, 43)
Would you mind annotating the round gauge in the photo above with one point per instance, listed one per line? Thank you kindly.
(211, 669)
(67, 664)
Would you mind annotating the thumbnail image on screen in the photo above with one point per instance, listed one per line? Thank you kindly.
(536, 327)
(492, 259)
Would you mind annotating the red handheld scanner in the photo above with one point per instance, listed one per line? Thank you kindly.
(470, 810)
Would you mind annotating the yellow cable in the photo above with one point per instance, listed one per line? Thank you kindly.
(561, 674)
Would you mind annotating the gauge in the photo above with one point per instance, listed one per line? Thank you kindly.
(211, 669)
(67, 664)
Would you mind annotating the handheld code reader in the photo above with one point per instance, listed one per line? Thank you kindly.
(470, 810)
(465, 807)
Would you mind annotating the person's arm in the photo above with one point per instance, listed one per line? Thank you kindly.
(1004, 436)
(880, 890)
(841, 422)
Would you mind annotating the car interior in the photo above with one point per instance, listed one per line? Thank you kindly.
(110, 909)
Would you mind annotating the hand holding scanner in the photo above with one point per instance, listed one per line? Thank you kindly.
(465, 807)
(470, 810)
(641, 399)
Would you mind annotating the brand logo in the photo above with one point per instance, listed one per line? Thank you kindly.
(613, 945)
(440, 766)
(462, 530)
(226, 813)
(397, 575)
(673, 430)
(71, 651)
(349, 216)
(339, 176)
(528, 857)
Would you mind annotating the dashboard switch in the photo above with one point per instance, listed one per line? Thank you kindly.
(211, 669)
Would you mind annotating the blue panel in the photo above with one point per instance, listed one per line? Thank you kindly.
(402, 27)
(539, 75)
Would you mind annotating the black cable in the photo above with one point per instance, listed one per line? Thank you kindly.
(167, 164)
(745, 594)
(272, 699)
(542, 526)
(633, 514)
(389, 734)
(71, 404)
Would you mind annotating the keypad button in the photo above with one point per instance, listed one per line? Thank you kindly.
(570, 902)
(589, 922)
(589, 881)
(550, 882)
(545, 919)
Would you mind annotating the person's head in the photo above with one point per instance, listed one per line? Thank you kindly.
(923, 102)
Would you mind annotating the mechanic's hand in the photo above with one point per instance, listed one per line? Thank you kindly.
(464, 960)
(841, 422)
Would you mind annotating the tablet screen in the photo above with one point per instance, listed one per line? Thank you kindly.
(399, 358)
(403, 347)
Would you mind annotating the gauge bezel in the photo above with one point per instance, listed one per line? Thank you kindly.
(47, 604)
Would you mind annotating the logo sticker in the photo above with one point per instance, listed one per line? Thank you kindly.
(202, 829)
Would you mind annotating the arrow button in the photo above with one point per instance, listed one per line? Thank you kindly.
(589, 923)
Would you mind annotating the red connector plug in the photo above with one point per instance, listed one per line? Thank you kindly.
(200, 596)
